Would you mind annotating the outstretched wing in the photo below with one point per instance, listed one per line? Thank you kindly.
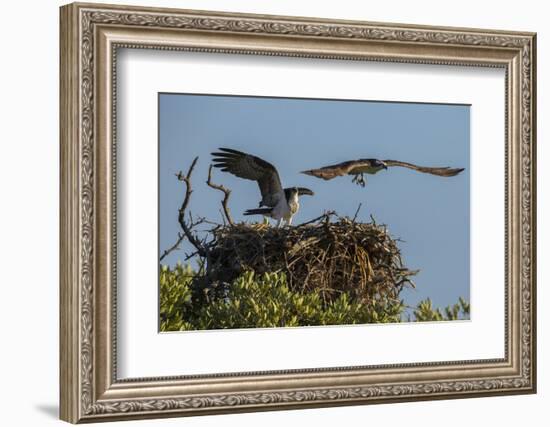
(339, 169)
(250, 167)
(444, 171)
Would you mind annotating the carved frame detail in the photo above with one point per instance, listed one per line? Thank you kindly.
(82, 399)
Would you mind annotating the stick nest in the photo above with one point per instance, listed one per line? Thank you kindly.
(330, 255)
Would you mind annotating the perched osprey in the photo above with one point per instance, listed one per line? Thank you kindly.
(280, 204)
(371, 166)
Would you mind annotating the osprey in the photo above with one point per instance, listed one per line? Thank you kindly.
(280, 204)
(371, 166)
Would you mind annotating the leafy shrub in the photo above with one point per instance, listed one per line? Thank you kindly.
(267, 301)
(175, 297)
(263, 301)
(253, 301)
(424, 312)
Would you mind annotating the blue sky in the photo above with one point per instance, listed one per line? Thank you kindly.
(429, 213)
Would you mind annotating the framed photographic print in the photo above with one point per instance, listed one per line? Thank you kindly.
(265, 212)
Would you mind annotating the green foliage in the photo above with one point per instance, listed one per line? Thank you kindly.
(267, 301)
(424, 312)
(175, 298)
(257, 302)
(264, 301)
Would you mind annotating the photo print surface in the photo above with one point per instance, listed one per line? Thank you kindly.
(288, 212)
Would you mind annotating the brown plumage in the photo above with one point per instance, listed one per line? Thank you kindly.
(371, 166)
(251, 167)
(439, 171)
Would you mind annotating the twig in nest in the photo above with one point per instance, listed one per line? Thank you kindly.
(330, 256)
(372, 219)
(326, 215)
(356, 213)
(225, 191)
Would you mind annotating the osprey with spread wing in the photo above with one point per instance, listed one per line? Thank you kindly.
(277, 202)
(357, 168)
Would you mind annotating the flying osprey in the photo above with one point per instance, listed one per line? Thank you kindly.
(371, 166)
(280, 204)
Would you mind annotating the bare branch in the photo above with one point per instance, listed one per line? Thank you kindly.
(191, 255)
(226, 192)
(181, 217)
(187, 229)
(223, 218)
(174, 247)
(198, 221)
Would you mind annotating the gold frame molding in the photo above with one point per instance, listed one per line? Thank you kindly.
(90, 36)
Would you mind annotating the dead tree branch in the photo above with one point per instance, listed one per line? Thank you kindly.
(181, 217)
(174, 247)
(187, 228)
(225, 191)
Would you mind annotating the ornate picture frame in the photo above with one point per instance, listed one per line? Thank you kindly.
(90, 36)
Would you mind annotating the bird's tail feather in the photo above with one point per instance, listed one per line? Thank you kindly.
(260, 211)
